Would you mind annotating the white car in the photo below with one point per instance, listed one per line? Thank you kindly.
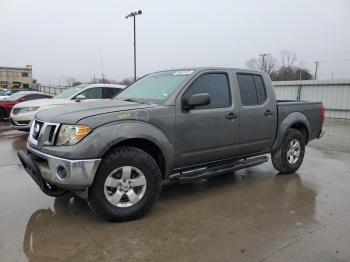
(23, 113)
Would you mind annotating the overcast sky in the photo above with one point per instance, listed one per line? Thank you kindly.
(63, 38)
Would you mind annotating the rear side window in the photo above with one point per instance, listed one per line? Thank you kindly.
(252, 89)
(93, 93)
(216, 85)
(260, 89)
(111, 92)
(34, 97)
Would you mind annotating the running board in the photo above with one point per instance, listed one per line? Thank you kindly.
(214, 170)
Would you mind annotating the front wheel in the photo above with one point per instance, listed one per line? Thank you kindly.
(126, 185)
(290, 154)
(2, 115)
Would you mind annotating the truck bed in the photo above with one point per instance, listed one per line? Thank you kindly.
(311, 110)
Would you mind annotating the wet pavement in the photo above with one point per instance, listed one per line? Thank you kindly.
(250, 215)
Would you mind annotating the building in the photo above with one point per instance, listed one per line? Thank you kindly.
(16, 77)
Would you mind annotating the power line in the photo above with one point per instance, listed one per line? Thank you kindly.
(326, 54)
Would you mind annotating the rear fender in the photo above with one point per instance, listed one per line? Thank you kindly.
(290, 120)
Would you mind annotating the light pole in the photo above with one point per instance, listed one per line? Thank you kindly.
(134, 14)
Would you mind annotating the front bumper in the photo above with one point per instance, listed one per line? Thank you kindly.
(20, 124)
(78, 174)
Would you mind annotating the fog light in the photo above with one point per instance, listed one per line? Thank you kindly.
(61, 172)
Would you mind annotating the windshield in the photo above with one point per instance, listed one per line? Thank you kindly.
(154, 88)
(16, 96)
(69, 92)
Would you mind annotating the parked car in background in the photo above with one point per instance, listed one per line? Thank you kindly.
(4, 93)
(176, 125)
(7, 103)
(7, 92)
(23, 113)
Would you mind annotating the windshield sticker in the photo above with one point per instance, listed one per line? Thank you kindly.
(179, 73)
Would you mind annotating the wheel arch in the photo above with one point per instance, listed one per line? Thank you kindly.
(149, 147)
(295, 120)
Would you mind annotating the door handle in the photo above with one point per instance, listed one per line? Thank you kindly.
(231, 115)
(268, 113)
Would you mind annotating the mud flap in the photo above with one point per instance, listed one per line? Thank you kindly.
(31, 168)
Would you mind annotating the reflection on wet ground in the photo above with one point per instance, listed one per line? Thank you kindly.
(251, 215)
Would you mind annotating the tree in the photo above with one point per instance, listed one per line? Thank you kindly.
(127, 81)
(267, 64)
(76, 83)
(285, 69)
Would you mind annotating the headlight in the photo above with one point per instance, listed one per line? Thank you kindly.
(26, 109)
(72, 134)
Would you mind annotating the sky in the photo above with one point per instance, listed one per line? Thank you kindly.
(64, 38)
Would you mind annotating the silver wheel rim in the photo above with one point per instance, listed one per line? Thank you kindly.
(293, 152)
(125, 186)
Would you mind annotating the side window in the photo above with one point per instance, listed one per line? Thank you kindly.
(216, 85)
(252, 89)
(34, 97)
(111, 92)
(260, 89)
(93, 93)
(247, 89)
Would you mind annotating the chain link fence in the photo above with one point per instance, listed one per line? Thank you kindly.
(53, 90)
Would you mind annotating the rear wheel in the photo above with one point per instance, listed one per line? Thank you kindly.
(126, 185)
(289, 156)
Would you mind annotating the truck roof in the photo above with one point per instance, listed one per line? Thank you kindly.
(204, 68)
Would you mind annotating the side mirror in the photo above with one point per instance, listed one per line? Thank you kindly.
(193, 101)
(79, 98)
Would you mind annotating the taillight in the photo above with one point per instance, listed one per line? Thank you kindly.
(323, 110)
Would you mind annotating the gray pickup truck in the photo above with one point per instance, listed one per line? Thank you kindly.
(175, 125)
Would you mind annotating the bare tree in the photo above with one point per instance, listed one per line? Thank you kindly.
(288, 59)
(285, 69)
(268, 64)
(127, 81)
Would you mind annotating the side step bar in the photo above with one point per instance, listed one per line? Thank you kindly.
(215, 170)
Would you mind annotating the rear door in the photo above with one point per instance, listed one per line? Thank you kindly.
(258, 121)
(206, 133)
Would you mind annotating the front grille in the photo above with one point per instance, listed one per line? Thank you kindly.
(52, 134)
(15, 111)
(43, 133)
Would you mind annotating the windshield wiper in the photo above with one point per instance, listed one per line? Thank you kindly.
(134, 100)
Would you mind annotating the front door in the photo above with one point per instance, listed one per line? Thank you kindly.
(206, 133)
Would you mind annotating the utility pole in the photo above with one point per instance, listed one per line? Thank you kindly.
(316, 67)
(102, 75)
(263, 62)
(133, 15)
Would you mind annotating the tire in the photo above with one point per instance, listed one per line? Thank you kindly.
(286, 161)
(2, 115)
(140, 166)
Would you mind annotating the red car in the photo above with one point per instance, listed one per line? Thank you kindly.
(7, 103)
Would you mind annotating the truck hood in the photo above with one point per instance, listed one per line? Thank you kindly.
(73, 113)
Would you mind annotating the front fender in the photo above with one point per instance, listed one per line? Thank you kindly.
(290, 120)
(96, 144)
